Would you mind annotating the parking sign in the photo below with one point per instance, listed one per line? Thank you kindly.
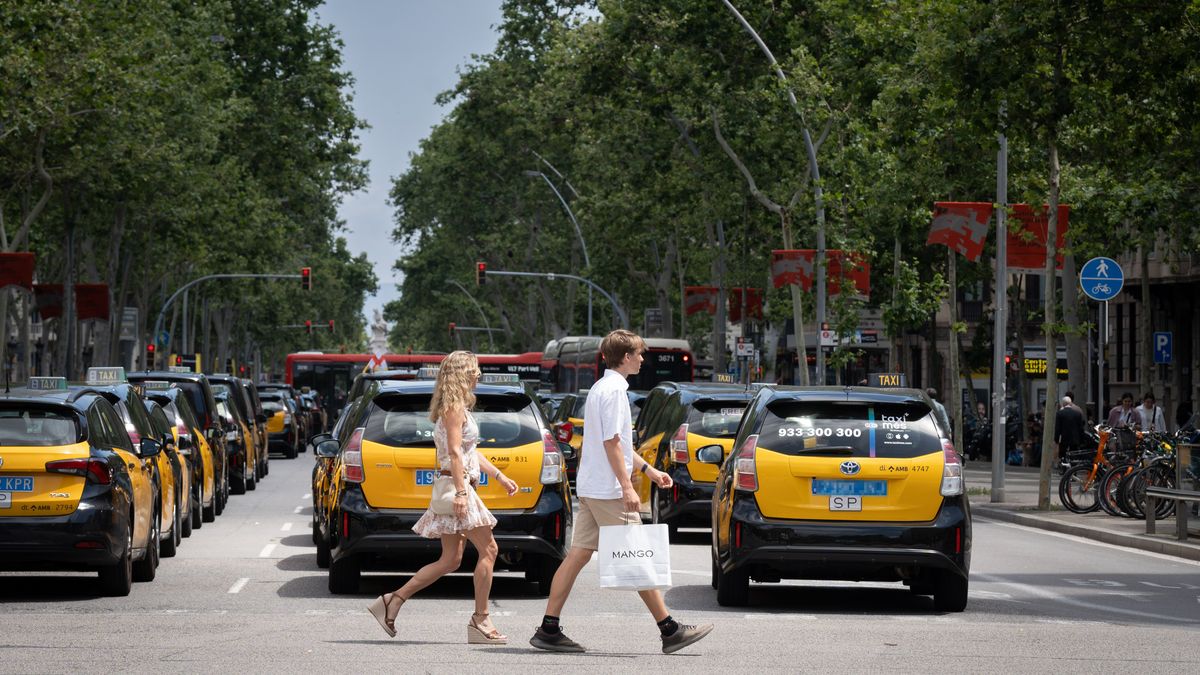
(1162, 347)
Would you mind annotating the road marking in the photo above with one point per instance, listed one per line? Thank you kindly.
(286, 527)
(307, 496)
(266, 552)
(695, 573)
(238, 585)
(1058, 597)
(298, 509)
(1082, 540)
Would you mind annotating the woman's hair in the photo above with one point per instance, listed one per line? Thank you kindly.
(452, 390)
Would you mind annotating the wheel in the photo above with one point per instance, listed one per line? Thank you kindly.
(252, 480)
(656, 513)
(547, 567)
(1078, 489)
(197, 507)
(238, 485)
(344, 575)
(1107, 494)
(209, 513)
(222, 496)
(714, 575)
(322, 552)
(1132, 494)
(168, 547)
(116, 580)
(191, 514)
(949, 592)
(146, 568)
(316, 528)
(733, 588)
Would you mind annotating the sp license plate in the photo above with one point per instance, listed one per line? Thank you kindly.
(426, 476)
(5, 500)
(845, 503)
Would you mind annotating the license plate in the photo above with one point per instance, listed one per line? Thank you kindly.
(16, 484)
(5, 500)
(837, 488)
(426, 476)
(845, 503)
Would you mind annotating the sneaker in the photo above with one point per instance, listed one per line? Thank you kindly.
(684, 636)
(559, 642)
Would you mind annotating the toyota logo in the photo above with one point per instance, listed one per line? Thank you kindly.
(850, 468)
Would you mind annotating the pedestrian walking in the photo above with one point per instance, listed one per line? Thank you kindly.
(1124, 415)
(455, 436)
(1151, 415)
(1068, 428)
(607, 496)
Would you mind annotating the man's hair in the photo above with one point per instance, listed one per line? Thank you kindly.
(618, 344)
(1127, 395)
(1066, 400)
(931, 392)
(1070, 394)
(1149, 395)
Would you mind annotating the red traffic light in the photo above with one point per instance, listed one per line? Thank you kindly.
(451, 329)
(178, 360)
(306, 278)
(308, 326)
(331, 325)
(480, 273)
(150, 348)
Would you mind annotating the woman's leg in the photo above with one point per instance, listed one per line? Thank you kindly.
(452, 550)
(485, 544)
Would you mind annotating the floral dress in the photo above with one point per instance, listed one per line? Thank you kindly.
(433, 525)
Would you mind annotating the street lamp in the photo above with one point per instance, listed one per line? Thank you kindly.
(481, 313)
(578, 232)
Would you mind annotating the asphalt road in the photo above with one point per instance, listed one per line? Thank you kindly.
(245, 595)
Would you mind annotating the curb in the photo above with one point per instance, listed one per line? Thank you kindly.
(1140, 542)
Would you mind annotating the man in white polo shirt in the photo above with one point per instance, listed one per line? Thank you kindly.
(607, 496)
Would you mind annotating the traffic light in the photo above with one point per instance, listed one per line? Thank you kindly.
(178, 360)
(331, 325)
(308, 326)
(451, 329)
(149, 356)
(306, 278)
(480, 273)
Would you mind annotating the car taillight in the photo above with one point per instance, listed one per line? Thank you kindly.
(565, 432)
(952, 482)
(287, 418)
(679, 446)
(133, 434)
(744, 475)
(95, 470)
(352, 457)
(552, 461)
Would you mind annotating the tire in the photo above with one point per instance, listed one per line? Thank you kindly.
(656, 514)
(187, 521)
(252, 480)
(714, 575)
(344, 575)
(1075, 492)
(949, 592)
(733, 588)
(221, 497)
(197, 506)
(322, 552)
(147, 568)
(116, 580)
(1127, 495)
(1107, 493)
(238, 485)
(316, 529)
(547, 567)
(169, 546)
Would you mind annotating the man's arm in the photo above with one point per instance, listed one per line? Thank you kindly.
(616, 460)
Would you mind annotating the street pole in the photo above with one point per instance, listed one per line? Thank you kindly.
(1101, 417)
(621, 316)
(999, 343)
(587, 262)
(486, 323)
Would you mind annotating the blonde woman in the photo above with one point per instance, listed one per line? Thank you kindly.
(456, 435)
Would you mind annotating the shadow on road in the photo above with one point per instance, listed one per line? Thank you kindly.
(50, 588)
(301, 562)
(789, 599)
(298, 541)
(455, 586)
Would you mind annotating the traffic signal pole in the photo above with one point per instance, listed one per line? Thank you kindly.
(624, 320)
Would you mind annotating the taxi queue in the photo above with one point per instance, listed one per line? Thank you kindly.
(112, 474)
(830, 483)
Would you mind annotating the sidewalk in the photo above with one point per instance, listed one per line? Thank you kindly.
(1020, 506)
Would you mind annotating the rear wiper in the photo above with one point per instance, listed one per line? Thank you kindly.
(827, 450)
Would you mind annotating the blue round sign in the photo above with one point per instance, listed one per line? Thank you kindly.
(1101, 279)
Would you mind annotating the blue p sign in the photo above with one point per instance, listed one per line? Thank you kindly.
(1162, 347)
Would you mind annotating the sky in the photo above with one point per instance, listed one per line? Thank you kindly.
(402, 54)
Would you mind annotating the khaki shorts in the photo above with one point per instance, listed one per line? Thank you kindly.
(596, 513)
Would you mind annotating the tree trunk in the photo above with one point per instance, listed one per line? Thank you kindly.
(1017, 326)
(897, 347)
(1076, 349)
(1145, 315)
(1050, 328)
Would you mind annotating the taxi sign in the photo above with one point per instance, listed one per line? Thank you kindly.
(48, 383)
(305, 390)
(726, 378)
(106, 375)
(888, 380)
(499, 378)
(156, 385)
(178, 369)
(428, 372)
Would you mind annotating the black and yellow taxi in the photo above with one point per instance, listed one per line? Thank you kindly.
(302, 417)
(283, 423)
(567, 428)
(851, 484)
(75, 492)
(383, 477)
(111, 382)
(199, 394)
(192, 445)
(183, 474)
(676, 420)
(239, 440)
(257, 417)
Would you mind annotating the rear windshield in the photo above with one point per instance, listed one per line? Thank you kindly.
(504, 421)
(825, 428)
(271, 407)
(715, 419)
(580, 404)
(195, 394)
(37, 427)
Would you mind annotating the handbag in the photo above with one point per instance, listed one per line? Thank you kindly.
(442, 502)
(634, 557)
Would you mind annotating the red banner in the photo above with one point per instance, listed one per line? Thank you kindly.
(793, 267)
(698, 299)
(962, 226)
(49, 300)
(16, 269)
(1027, 241)
(91, 302)
(852, 267)
(753, 302)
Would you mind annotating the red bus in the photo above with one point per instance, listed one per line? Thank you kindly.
(331, 375)
(572, 363)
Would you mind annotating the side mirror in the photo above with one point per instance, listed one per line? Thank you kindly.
(167, 441)
(317, 439)
(710, 454)
(261, 417)
(566, 449)
(149, 448)
(328, 448)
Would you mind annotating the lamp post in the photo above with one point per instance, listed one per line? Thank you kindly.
(487, 325)
(578, 232)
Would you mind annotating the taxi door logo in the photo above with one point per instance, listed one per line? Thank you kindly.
(850, 468)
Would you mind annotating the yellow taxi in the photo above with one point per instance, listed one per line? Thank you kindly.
(240, 437)
(383, 477)
(75, 492)
(676, 420)
(851, 484)
(283, 423)
(567, 427)
(182, 474)
(192, 444)
(256, 417)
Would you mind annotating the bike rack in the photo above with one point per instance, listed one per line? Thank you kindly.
(1183, 460)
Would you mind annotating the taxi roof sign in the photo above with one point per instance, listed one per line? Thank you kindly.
(428, 372)
(179, 369)
(48, 383)
(888, 380)
(499, 378)
(106, 375)
(726, 378)
(156, 385)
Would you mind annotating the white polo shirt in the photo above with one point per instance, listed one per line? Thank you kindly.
(605, 416)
